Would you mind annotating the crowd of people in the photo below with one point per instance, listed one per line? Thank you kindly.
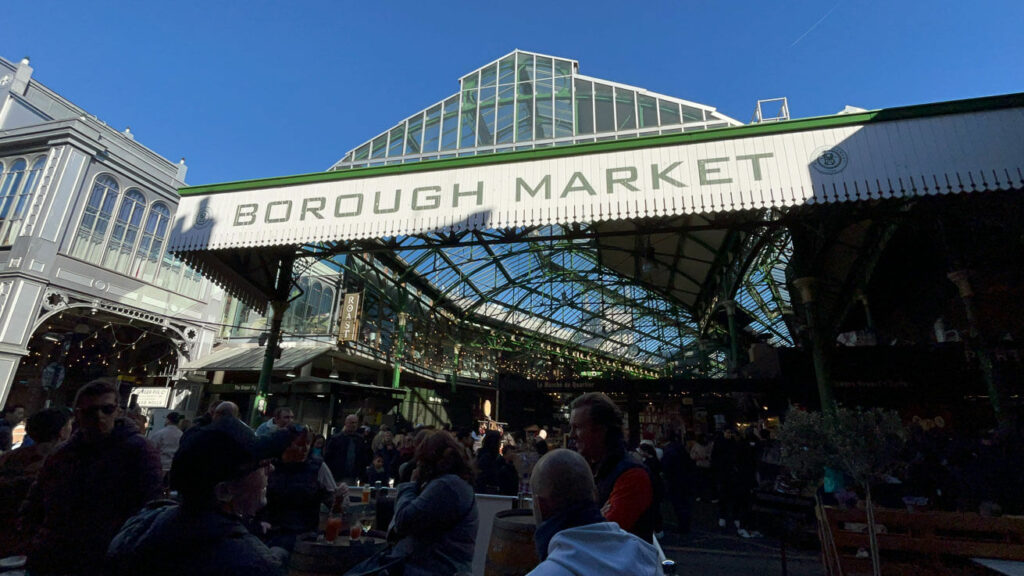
(217, 497)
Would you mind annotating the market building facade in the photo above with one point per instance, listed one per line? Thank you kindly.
(87, 286)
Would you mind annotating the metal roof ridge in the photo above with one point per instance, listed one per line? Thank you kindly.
(984, 103)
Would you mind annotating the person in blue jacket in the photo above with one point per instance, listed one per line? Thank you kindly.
(435, 514)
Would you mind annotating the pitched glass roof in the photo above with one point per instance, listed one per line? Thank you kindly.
(526, 100)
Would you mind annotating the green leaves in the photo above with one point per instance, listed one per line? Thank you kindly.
(865, 444)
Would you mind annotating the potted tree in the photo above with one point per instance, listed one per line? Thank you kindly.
(864, 444)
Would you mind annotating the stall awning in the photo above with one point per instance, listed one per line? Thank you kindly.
(249, 358)
(298, 384)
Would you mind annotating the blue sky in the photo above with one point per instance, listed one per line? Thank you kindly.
(257, 88)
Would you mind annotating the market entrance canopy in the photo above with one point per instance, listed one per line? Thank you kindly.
(948, 148)
(677, 194)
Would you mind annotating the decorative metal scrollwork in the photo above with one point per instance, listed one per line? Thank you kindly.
(54, 299)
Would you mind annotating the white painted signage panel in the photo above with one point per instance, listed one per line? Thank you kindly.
(152, 397)
(912, 157)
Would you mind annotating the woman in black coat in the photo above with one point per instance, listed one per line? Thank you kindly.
(494, 475)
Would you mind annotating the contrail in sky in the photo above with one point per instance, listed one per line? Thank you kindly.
(815, 25)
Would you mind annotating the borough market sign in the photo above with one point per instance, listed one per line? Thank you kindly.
(925, 150)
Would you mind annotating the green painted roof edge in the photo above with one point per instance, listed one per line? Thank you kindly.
(884, 115)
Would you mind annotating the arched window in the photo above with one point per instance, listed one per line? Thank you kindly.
(296, 312)
(147, 257)
(313, 303)
(95, 220)
(125, 232)
(326, 302)
(15, 199)
(11, 185)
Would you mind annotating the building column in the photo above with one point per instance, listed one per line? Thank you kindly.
(278, 306)
(820, 345)
(19, 307)
(869, 320)
(633, 418)
(396, 363)
(455, 365)
(703, 359)
(8, 367)
(734, 354)
(396, 360)
(975, 338)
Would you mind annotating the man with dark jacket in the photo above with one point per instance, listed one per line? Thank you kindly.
(347, 453)
(681, 479)
(88, 487)
(220, 472)
(18, 471)
(11, 417)
(625, 490)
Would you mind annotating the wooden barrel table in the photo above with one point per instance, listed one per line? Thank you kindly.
(315, 558)
(511, 551)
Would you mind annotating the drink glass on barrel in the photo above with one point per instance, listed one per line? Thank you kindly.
(367, 523)
(335, 522)
(333, 527)
(355, 531)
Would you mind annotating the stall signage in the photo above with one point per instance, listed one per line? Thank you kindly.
(152, 397)
(234, 388)
(348, 322)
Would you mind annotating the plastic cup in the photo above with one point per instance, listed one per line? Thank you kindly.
(366, 494)
(355, 532)
(332, 529)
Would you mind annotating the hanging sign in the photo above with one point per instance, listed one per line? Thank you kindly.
(348, 320)
(152, 397)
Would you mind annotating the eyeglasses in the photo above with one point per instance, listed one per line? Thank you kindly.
(254, 466)
(107, 409)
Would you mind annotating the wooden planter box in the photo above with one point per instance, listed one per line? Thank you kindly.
(918, 543)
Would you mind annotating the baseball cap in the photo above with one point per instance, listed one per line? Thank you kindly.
(222, 451)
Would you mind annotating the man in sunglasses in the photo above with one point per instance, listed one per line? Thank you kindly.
(88, 487)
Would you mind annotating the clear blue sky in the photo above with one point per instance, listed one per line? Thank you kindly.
(249, 89)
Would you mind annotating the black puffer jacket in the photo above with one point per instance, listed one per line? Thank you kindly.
(165, 540)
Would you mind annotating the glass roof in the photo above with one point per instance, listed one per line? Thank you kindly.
(571, 287)
(526, 100)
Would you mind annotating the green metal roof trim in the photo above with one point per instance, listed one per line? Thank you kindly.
(884, 115)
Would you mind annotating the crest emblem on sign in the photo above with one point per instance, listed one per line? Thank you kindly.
(829, 160)
(202, 218)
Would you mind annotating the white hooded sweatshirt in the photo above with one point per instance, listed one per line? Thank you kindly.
(598, 549)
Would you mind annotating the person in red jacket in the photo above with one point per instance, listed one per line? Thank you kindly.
(88, 487)
(625, 491)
